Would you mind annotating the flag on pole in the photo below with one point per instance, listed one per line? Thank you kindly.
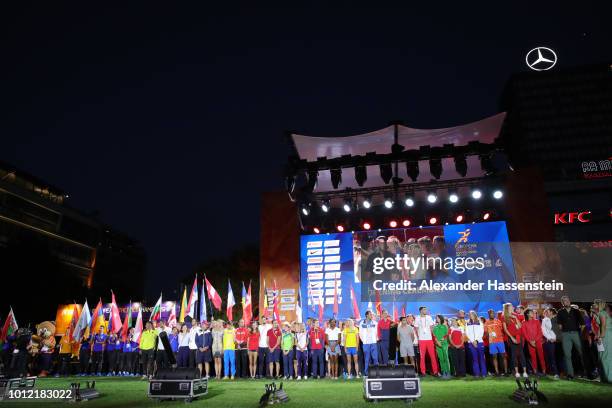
(321, 309)
(266, 312)
(404, 310)
(378, 303)
(203, 310)
(193, 299)
(370, 306)
(395, 317)
(247, 307)
(183, 306)
(298, 308)
(97, 317)
(73, 320)
(356, 313)
(127, 322)
(156, 312)
(276, 306)
(213, 295)
(172, 316)
(115, 317)
(82, 323)
(10, 326)
(335, 310)
(138, 327)
(231, 302)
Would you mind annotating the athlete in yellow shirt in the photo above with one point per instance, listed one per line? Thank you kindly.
(350, 342)
(229, 351)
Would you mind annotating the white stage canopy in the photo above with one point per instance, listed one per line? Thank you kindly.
(380, 141)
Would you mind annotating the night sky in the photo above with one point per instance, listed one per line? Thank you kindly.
(169, 120)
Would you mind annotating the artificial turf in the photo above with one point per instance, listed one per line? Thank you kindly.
(456, 393)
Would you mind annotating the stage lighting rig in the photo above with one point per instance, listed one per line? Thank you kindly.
(336, 177)
(393, 224)
(461, 164)
(435, 167)
(409, 200)
(348, 205)
(388, 202)
(325, 205)
(432, 197)
(305, 208)
(476, 194)
(367, 203)
(386, 172)
(406, 223)
(498, 194)
(316, 230)
(366, 225)
(361, 175)
(412, 168)
(453, 197)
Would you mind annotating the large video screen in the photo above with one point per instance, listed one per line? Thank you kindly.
(446, 268)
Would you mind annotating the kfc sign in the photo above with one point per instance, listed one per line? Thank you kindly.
(573, 217)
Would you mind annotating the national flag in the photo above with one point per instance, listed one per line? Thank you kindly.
(298, 308)
(193, 299)
(82, 324)
(335, 309)
(203, 308)
(247, 306)
(231, 302)
(172, 316)
(156, 312)
(115, 317)
(370, 306)
(378, 303)
(321, 309)
(266, 312)
(395, 318)
(97, 317)
(356, 313)
(213, 295)
(275, 305)
(404, 310)
(10, 326)
(127, 323)
(73, 320)
(138, 327)
(183, 306)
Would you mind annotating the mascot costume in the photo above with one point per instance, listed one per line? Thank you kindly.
(43, 346)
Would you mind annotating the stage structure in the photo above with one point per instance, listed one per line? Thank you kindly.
(409, 186)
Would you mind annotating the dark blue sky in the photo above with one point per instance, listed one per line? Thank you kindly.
(169, 120)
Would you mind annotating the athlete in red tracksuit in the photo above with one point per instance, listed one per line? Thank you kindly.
(532, 332)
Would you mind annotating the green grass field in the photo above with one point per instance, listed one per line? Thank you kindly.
(457, 393)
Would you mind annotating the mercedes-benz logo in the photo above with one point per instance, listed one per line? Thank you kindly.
(541, 59)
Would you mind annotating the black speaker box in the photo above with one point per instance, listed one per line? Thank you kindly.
(177, 374)
(399, 371)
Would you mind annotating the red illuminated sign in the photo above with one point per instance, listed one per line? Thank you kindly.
(573, 217)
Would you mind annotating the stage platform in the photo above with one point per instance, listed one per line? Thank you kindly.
(472, 393)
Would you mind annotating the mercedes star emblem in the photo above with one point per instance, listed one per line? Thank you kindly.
(541, 59)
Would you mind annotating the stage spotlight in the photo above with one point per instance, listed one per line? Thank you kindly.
(486, 215)
(367, 203)
(361, 175)
(453, 197)
(461, 164)
(409, 201)
(433, 220)
(486, 163)
(412, 168)
(388, 202)
(386, 173)
(305, 208)
(459, 218)
(393, 224)
(316, 230)
(340, 228)
(498, 194)
(336, 177)
(432, 197)
(366, 225)
(325, 205)
(312, 180)
(406, 223)
(435, 167)
(476, 194)
(348, 205)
